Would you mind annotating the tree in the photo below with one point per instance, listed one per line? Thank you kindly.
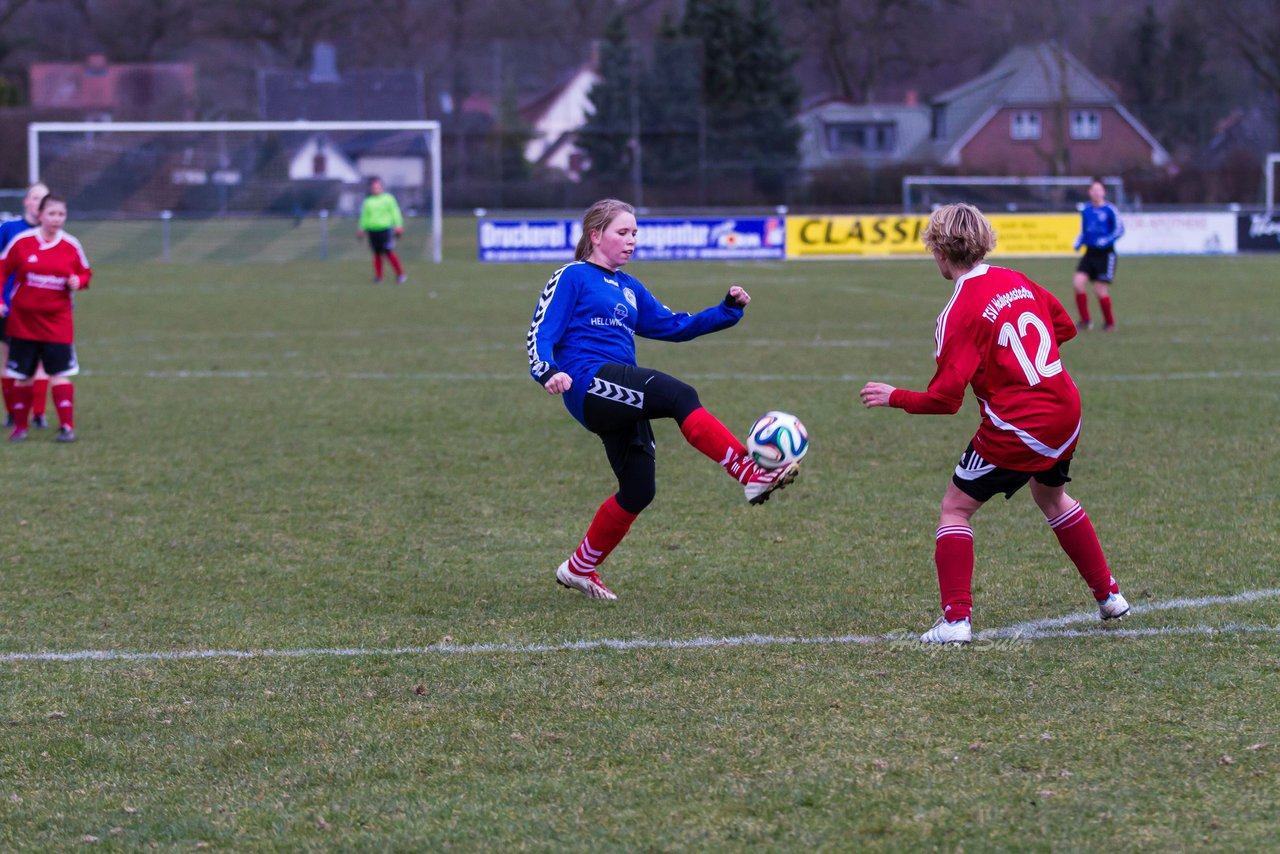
(858, 42)
(606, 138)
(770, 96)
(671, 109)
(749, 90)
(137, 30)
(1252, 30)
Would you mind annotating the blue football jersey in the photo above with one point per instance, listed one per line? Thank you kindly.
(588, 316)
(1100, 227)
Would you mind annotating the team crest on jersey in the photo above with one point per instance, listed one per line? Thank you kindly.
(620, 311)
(630, 296)
(33, 259)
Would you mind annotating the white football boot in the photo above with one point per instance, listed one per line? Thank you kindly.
(588, 585)
(943, 631)
(1113, 607)
(764, 482)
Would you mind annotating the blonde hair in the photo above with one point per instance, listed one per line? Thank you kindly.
(961, 233)
(597, 218)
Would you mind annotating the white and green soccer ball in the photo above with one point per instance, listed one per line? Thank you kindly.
(777, 439)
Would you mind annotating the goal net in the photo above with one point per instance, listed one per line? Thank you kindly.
(923, 193)
(232, 191)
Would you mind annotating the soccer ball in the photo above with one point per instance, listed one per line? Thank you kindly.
(777, 439)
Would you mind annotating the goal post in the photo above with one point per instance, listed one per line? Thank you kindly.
(298, 169)
(1271, 166)
(922, 193)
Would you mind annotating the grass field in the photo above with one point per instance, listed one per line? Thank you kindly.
(362, 485)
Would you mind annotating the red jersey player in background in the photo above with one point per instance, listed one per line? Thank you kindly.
(49, 265)
(999, 333)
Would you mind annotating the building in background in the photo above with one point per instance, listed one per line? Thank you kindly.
(131, 91)
(1038, 111)
(554, 118)
(840, 132)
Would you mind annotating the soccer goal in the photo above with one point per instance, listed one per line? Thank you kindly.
(241, 190)
(1272, 166)
(922, 193)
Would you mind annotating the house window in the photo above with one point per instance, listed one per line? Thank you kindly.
(938, 122)
(861, 137)
(1086, 124)
(1026, 125)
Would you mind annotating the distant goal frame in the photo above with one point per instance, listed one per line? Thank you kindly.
(429, 129)
(909, 181)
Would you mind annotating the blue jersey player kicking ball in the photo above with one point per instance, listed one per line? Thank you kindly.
(581, 347)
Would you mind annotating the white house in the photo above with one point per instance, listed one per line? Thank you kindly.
(555, 117)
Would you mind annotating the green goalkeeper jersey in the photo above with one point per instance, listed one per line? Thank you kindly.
(379, 213)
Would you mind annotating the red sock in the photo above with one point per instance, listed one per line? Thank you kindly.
(377, 265)
(64, 403)
(6, 386)
(705, 432)
(395, 263)
(953, 553)
(21, 397)
(1107, 317)
(1078, 539)
(39, 396)
(1082, 306)
(607, 529)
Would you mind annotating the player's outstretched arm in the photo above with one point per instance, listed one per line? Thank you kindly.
(876, 394)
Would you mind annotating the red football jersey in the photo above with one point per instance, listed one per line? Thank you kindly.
(40, 309)
(1000, 333)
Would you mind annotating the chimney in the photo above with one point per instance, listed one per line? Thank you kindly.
(324, 63)
(912, 98)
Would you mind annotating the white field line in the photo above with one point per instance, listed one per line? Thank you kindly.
(1030, 630)
(430, 376)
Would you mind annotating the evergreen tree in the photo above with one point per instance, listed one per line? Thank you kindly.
(771, 95)
(671, 99)
(606, 136)
(749, 91)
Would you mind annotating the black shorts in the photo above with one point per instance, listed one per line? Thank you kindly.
(981, 480)
(25, 356)
(623, 398)
(382, 240)
(1098, 264)
(4, 322)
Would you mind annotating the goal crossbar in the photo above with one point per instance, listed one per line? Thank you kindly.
(430, 129)
(909, 181)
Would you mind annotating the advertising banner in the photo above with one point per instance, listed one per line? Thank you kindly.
(889, 236)
(1258, 233)
(855, 235)
(659, 239)
(1177, 234)
(1035, 235)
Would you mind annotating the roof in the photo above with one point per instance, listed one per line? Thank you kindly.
(1024, 76)
(1033, 75)
(581, 78)
(355, 95)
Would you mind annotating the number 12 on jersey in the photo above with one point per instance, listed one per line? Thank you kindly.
(1012, 338)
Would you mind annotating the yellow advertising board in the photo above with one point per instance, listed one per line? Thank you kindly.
(1035, 234)
(879, 236)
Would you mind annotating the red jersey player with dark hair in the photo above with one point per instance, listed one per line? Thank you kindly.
(49, 265)
(999, 333)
